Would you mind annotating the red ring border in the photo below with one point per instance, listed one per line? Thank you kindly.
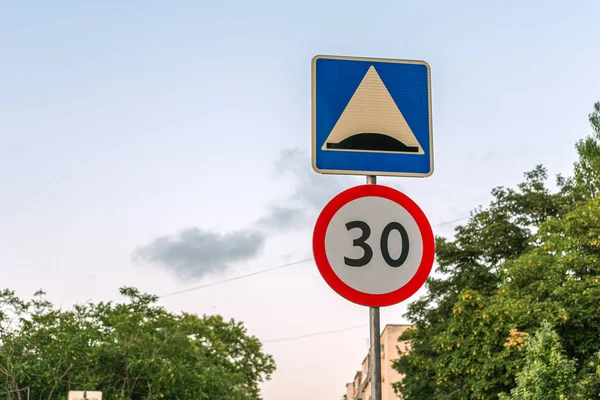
(344, 290)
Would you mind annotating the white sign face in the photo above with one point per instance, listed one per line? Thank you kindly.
(373, 245)
(366, 234)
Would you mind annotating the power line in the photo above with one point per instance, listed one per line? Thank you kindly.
(285, 339)
(450, 222)
(300, 337)
(272, 269)
(236, 278)
(320, 333)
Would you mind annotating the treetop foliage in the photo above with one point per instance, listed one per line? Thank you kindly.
(531, 256)
(135, 350)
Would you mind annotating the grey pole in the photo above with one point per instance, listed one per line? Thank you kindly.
(375, 332)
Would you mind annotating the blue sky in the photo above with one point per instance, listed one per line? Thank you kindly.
(122, 122)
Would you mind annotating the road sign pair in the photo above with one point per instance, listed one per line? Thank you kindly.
(372, 244)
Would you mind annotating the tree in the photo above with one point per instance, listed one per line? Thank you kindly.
(548, 374)
(586, 177)
(531, 255)
(470, 266)
(134, 350)
(589, 379)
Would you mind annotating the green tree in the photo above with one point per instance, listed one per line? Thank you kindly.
(470, 267)
(135, 350)
(531, 255)
(589, 379)
(548, 374)
(586, 177)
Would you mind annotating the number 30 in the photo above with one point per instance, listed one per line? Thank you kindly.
(385, 251)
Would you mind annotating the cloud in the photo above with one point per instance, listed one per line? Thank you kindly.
(194, 253)
(310, 192)
(280, 218)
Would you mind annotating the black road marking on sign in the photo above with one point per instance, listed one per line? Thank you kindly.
(373, 142)
(361, 242)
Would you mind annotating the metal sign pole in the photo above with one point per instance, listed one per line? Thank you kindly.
(375, 329)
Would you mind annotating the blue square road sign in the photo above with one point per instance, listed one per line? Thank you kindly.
(371, 116)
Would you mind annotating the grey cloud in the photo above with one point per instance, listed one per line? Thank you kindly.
(280, 218)
(194, 253)
(311, 191)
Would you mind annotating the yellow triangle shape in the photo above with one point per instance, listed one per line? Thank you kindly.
(372, 110)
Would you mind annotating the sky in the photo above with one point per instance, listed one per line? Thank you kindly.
(166, 145)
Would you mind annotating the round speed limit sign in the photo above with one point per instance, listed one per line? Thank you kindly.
(373, 245)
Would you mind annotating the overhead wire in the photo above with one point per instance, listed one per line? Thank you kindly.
(450, 222)
(299, 337)
(320, 333)
(235, 278)
(285, 339)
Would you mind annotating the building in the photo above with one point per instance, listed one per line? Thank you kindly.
(360, 387)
